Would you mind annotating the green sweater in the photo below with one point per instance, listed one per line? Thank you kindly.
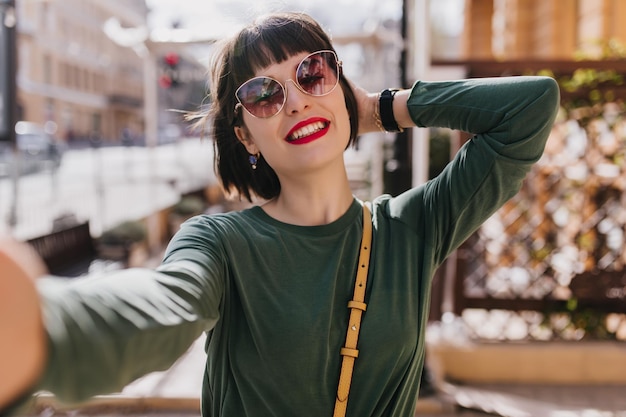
(273, 296)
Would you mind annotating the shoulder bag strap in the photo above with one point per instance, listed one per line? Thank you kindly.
(357, 306)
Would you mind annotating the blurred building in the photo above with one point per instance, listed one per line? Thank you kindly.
(560, 38)
(541, 29)
(70, 72)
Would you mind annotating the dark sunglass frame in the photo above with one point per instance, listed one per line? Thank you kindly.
(279, 88)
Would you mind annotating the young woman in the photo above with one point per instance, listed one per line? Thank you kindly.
(271, 284)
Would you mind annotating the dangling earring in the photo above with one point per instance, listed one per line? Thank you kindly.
(253, 159)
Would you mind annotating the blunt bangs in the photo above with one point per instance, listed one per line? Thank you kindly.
(272, 40)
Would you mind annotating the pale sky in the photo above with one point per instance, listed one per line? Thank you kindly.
(214, 19)
(219, 17)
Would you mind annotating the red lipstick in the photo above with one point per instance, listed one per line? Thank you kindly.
(307, 131)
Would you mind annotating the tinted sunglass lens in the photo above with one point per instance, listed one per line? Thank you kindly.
(317, 73)
(261, 96)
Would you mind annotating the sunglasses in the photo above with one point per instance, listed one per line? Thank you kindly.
(317, 75)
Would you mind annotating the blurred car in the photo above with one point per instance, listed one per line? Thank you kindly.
(37, 149)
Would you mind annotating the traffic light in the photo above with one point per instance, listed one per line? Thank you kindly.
(8, 56)
(170, 76)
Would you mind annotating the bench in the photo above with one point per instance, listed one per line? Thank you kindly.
(68, 252)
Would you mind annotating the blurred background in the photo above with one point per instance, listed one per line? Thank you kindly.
(98, 167)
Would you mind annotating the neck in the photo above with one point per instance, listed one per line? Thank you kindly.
(310, 200)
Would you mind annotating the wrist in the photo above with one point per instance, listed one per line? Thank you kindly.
(369, 117)
(386, 118)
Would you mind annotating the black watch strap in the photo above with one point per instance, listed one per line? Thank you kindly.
(385, 104)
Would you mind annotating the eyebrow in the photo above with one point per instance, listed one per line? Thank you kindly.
(295, 68)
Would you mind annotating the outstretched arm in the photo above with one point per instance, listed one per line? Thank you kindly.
(23, 347)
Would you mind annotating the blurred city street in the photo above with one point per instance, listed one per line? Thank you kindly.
(106, 186)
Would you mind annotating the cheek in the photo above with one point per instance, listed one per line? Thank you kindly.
(259, 134)
(342, 115)
(343, 122)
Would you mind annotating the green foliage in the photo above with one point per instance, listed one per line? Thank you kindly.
(595, 85)
(590, 78)
(607, 49)
(575, 323)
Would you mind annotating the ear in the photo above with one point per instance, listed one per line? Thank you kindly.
(244, 137)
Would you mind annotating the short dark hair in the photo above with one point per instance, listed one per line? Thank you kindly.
(271, 39)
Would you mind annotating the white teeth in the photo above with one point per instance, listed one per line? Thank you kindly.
(307, 130)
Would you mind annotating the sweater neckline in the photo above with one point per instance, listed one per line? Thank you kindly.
(339, 225)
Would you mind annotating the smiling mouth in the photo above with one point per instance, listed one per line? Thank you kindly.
(307, 131)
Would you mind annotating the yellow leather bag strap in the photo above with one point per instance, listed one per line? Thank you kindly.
(357, 306)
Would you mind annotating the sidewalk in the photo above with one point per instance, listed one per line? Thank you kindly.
(536, 400)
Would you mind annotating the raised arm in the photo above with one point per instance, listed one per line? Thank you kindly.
(511, 119)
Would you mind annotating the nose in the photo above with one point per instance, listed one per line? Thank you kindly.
(296, 100)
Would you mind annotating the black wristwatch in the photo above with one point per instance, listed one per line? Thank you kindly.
(385, 103)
